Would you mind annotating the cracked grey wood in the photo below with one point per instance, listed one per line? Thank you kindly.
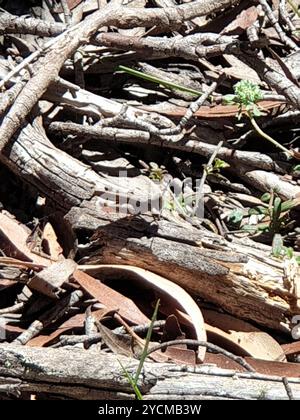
(197, 260)
(90, 374)
(60, 177)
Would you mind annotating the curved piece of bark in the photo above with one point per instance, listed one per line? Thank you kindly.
(167, 291)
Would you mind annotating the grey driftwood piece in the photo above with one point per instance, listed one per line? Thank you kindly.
(77, 373)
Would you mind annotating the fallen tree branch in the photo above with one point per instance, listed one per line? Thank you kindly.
(190, 47)
(10, 24)
(62, 178)
(239, 157)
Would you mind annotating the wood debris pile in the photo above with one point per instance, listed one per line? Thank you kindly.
(150, 199)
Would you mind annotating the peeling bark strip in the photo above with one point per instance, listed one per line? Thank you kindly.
(82, 374)
(49, 65)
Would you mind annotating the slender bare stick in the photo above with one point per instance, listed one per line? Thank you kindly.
(273, 20)
(192, 109)
(212, 347)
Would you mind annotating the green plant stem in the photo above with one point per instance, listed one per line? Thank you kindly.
(147, 342)
(132, 382)
(267, 137)
(154, 79)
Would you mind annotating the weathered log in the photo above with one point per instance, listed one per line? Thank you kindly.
(77, 373)
(202, 263)
(61, 178)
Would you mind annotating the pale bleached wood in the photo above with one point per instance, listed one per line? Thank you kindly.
(95, 375)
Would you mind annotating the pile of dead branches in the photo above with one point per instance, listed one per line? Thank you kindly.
(150, 153)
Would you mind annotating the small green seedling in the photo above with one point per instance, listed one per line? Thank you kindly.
(275, 212)
(157, 173)
(296, 171)
(282, 252)
(235, 217)
(216, 167)
(246, 95)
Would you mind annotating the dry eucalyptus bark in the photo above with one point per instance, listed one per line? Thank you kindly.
(203, 263)
(244, 284)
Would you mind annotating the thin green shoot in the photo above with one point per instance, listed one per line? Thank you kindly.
(294, 7)
(147, 342)
(159, 81)
(134, 380)
(267, 137)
